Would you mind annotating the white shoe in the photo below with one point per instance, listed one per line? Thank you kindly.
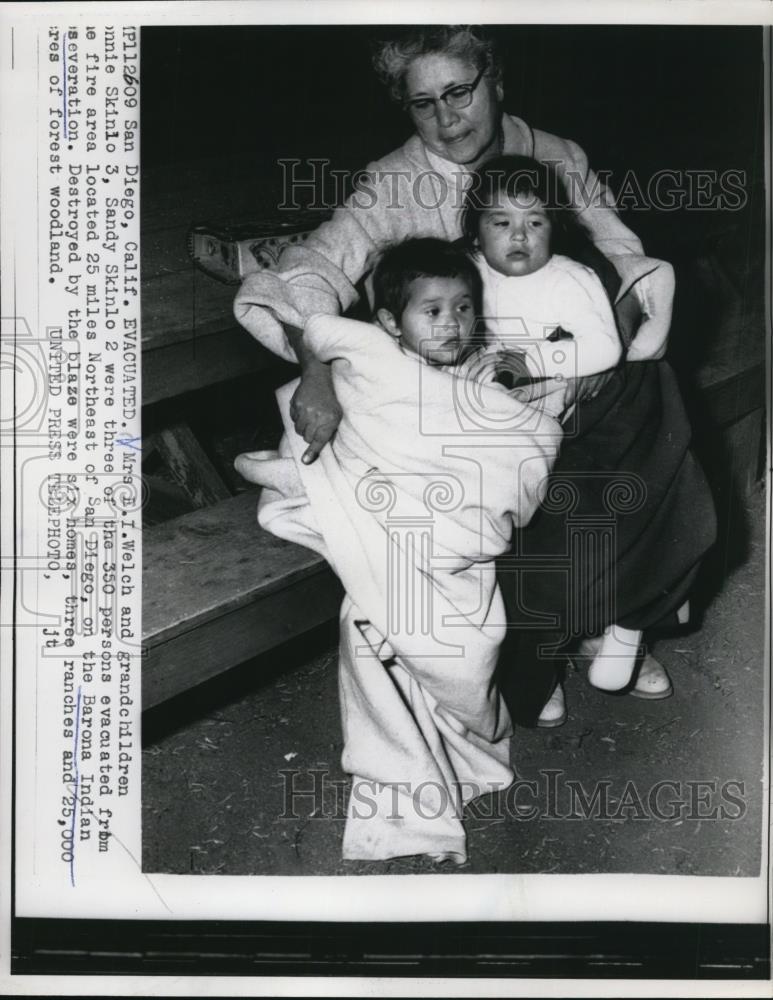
(615, 660)
(652, 681)
(554, 712)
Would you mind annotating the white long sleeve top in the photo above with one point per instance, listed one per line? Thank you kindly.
(521, 314)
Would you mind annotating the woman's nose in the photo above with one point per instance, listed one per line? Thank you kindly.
(445, 116)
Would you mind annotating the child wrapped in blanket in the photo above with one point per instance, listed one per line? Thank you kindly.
(431, 467)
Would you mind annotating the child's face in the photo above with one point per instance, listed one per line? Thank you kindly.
(514, 234)
(437, 322)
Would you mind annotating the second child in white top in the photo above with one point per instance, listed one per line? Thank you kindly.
(548, 317)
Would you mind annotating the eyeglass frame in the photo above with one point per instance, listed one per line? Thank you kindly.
(469, 88)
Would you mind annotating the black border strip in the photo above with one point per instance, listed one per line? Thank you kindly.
(494, 950)
(597, 950)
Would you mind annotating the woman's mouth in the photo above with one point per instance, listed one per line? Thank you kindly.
(453, 139)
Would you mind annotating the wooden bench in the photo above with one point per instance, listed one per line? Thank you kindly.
(190, 338)
(218, 590)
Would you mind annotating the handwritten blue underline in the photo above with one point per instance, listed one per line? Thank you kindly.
(64, 83)
(76, 791)
(129, 443)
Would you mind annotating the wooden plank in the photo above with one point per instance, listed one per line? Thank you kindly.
(202, 361)
(189, 465)
(185, 305)
(165, 251)
(743, 443)
(213, 561)
(731, 398)
(176, 197)
(165, 501)
(219, 188)
(731, 351)
(732, 457)
(226, 641)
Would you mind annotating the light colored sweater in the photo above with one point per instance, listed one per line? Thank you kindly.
(401, 196)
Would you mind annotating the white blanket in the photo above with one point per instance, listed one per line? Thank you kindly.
(410, 505)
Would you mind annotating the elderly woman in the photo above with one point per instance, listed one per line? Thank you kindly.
(450, 84)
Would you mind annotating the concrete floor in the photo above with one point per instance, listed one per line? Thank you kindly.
(219, 762)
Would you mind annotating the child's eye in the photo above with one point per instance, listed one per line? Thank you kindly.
(464, 307)
(536, 223)
(501, 224)
(434, 311)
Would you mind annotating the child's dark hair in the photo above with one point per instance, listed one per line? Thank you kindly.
(516, 176)
(427, 257)
(523, 176)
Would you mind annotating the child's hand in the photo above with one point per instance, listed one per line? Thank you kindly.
(511, 369)
(314, 409)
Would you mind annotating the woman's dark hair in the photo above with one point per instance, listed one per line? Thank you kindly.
(428, 257)
(522, 176)
(470, 43)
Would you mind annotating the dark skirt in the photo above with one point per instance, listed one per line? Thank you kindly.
(618, 539)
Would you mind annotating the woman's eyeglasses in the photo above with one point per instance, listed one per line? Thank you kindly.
(455, 97)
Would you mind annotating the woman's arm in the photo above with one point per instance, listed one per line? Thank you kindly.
(318, 277)
(588, 194)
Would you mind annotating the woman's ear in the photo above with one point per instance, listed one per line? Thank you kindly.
(387, 322)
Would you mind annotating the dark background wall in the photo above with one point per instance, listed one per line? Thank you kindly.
(642, 98)
(622, 92)
(638, 99)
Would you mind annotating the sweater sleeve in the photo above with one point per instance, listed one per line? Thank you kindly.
(589, 196)
(649, 282)
(319, 275)
(336, 338)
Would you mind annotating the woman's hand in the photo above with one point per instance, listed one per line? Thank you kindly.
(314, 409)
